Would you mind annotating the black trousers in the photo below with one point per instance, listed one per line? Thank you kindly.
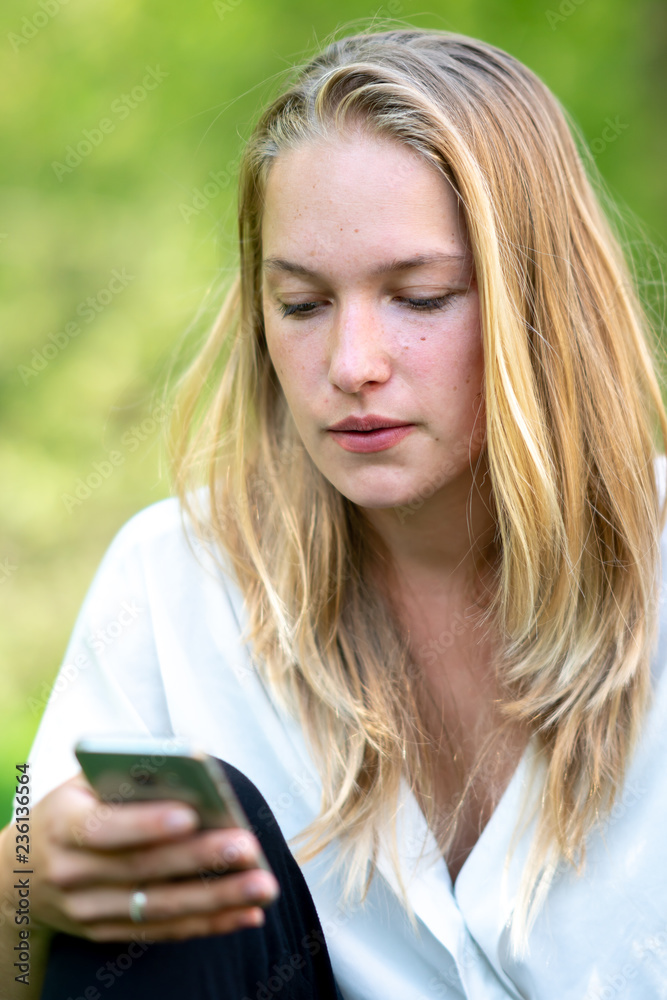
(286, 959)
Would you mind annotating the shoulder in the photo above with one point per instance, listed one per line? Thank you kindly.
(158, 562)
(161, 538)
(660, 472)
(161, 522)
(660, 653)
(156, 639)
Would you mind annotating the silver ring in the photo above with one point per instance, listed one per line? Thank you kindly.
(137, 903)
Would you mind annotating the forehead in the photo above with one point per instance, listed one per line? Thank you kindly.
(359, 196)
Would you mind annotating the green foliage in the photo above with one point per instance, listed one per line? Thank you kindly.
(105, 262)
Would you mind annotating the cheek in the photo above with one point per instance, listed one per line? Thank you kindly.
(475, 400)
(295, 372)
(467, 363)
(472, 392)
(452, 375)
(452, 362)
(278, 354)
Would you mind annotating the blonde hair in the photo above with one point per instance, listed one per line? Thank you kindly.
(573, 407)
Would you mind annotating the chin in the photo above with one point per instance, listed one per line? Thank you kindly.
(375, 488)
(376, 499)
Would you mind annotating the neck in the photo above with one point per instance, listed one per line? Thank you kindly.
(447, 540)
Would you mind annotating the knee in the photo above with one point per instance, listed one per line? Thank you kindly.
(253, 803)
(266, 828)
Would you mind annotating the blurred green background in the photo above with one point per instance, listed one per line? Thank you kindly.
(122, 247)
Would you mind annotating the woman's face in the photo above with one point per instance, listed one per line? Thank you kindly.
(371, 314)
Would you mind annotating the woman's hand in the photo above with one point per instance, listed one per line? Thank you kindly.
(90, 857)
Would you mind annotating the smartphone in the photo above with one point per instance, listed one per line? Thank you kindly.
(140, 769)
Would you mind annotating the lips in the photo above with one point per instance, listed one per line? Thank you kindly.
(369, 434)
(365, 424)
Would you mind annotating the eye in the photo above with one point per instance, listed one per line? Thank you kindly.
(297, 308)
(419, 305)
(429, 305)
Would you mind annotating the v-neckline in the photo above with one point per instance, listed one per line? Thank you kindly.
(416, 830)
(509, 784)
(510, 797)
(444, 906)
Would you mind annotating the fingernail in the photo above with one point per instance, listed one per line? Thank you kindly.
(253, 918)
(261, 886)
(242, 845)
(180, 820)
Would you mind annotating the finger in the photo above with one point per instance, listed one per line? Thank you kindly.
(201, 925)
(207, 854)
(108, 825)
(172, 900)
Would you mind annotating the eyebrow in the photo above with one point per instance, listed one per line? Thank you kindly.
(279, 264)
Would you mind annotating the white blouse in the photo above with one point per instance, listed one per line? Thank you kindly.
(155, 650)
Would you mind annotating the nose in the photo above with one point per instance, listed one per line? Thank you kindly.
(359, 351)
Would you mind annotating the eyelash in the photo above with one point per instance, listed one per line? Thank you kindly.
(425, 305)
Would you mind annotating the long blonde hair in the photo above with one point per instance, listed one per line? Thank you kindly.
(573, 407)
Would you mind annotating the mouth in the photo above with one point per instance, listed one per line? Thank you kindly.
(369, 434)
(364, 425)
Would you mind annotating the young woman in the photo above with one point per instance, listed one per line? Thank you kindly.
(417, 602)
